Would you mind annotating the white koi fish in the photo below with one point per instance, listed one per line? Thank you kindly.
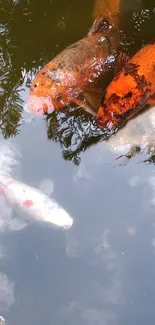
(2, 321)
(33, 203)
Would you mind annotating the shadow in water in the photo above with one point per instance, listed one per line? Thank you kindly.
(75, 130)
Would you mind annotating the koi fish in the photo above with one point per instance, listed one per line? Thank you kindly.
(34, 204)
(135, 138)
(74, 70)
(108, 8)
(2, 320)
(131, 89)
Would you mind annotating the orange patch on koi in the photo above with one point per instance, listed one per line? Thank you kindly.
(130, 90)
(28, 203)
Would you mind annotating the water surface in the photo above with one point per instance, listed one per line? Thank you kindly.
(100, 272)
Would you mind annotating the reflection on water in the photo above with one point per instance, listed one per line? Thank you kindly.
(102, 270)
(75, 131)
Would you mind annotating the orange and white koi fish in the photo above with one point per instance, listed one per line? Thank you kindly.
(67, 78)
(130, 90)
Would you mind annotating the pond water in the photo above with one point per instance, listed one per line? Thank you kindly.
(101, 271)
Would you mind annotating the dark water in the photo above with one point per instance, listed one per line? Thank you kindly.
(101, 271)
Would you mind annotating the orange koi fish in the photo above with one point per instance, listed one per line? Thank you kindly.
(74, 70)
(130, 90)
(108, 8)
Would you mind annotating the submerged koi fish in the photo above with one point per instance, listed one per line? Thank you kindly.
(135, 138)
(34, 205)
(74, 70)
(130, 90)
(2, 320)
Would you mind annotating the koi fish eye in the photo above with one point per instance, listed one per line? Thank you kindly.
(36, 85)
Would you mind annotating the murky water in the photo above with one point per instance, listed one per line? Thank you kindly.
(101, 271)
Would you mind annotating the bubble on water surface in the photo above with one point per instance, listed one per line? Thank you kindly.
(28, 120)
(61, 25)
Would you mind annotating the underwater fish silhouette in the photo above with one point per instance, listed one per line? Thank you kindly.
(131, 89)
(135, 138)
(71, 75)
(34, 205)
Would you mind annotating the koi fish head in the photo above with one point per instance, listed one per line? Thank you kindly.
(45, 95)
(56, 215)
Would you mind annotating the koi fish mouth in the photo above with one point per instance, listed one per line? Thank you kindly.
(63, 219)
(60, 218)
(69, 225)
(39, 105)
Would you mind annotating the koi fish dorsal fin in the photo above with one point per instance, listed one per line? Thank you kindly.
(93, 96)
(100, 25)
(121, 61)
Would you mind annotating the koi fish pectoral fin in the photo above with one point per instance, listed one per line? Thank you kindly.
(120, 62)
(151, 101)
(83, 105)
(17, 224)
(93, 96)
